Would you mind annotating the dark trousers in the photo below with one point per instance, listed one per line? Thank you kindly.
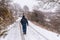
(24, 28)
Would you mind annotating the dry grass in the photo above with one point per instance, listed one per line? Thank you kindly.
(6, 19)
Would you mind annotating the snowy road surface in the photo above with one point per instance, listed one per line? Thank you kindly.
(33, 33)
(13, 33)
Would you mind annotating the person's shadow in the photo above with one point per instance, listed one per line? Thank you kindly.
(22, 35)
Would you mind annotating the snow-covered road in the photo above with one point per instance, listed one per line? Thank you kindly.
(33, 33)
(13, 33)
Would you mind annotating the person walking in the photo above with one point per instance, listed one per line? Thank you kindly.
(24, 23)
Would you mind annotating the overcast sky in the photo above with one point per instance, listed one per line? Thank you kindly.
(29, 3)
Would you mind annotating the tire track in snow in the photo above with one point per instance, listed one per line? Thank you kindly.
(38, 32)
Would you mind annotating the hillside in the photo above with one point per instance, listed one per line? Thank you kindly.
(48, 20)
(6, 19)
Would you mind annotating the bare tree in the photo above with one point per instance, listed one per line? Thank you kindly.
(5, 2)
(26, 8)
(17, 10)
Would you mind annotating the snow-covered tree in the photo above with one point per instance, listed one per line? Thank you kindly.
(47, 4)
(25, 8)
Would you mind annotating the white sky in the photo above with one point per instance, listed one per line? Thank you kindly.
(29, 3)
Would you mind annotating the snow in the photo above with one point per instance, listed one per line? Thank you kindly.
(29, 3)
(45, 33)
(13, 33)
(48, 20)
(43, 5)
(34, 32)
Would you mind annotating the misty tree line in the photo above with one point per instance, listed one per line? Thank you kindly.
(53, 22)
